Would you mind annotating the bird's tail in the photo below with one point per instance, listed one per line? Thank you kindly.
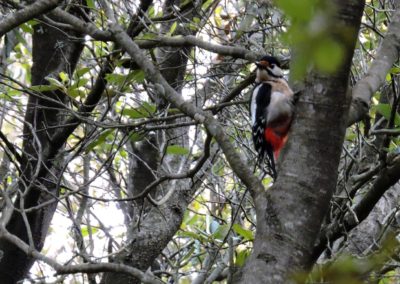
(266, 163)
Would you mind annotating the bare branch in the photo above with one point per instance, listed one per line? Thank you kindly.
(29, 12)
(189, 40)
(395, 131)
(387, 54)
(162, 41)
(145, 277)
(385, 180)
(80, 25)
(235, 159)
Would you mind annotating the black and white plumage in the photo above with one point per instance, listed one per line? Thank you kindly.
(271, 110)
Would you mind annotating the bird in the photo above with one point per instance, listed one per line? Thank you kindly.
(271, 112)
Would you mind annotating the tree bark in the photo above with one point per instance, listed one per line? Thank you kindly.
(367, 236)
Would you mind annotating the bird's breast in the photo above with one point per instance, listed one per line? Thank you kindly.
(280, 109)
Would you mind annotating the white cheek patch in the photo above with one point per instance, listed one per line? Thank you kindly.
(276, 71)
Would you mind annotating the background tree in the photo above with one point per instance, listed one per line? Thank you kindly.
(126, 142)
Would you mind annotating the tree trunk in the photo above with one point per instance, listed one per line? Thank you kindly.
(53, 52)
(290, 214)
(159, 224)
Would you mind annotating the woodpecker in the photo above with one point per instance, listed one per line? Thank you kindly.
(271, 111)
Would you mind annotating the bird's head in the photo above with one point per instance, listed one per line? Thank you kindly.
(268, 67)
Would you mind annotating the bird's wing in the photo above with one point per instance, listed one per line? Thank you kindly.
(260, 100)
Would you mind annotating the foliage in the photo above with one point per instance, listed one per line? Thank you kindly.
(312, 21)
(99, 214)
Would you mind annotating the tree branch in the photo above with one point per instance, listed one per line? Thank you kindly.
(11, 148)
(387, 54)
(81, 26)
(235, 159)
(386, 179)
(162, 41)
(29, 12)
(189, 40)
(145, 277)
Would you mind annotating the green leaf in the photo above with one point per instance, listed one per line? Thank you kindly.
(27, 27)
(196, 20)
(100, 140)
(266, 181)
(116, 78)
(300, 10)
(385, 110)
(90, 4)
(350, 136)
(395, 70)
(206, 4)
(328, 55)
(133, 113)
(123, 153)
(299, 67)
(80, 83)
(241, 257)
(172, 111)
(120, 79)
(217, 16)
(184, 3)
(177, 150)
(246, 234)
(63, 191)
(192, 235)
(143, 111)
(85, 230)
(190, 220)
(151, 11)
(221, 232)
(55, 82)
(44, 88)
(64, 77)
(146, 36)
(75, 93)
(137, 76)
(173, 28)
(135, 137)
(218, 168)
(82, 71)
(9, 94)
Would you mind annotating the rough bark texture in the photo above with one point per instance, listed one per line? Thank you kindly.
(53, 52)
(290, 214)
(366, 237)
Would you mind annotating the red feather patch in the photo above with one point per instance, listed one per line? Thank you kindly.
(277, 141)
